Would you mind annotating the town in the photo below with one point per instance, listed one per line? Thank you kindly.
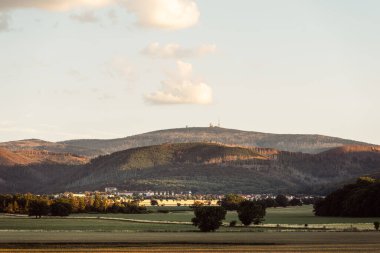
(170, 198)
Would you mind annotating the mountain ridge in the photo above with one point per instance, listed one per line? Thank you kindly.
(305, 143)
(286, 142)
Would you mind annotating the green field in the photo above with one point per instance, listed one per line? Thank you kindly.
(286, 218)
(150, 233)
(290, 215)
(61, 224)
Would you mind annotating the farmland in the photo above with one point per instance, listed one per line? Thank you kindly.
(169, 232)
(179, 220)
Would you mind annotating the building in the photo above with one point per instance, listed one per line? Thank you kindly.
(110, 189)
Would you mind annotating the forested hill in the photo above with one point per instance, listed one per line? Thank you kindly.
(286, 142)
(28, 157)
(353, 200)
(216, 168)
(199, 167)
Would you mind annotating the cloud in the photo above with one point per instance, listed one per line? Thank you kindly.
(52, 5)
(176, 51)
(120, 68)
(181, 88)
(85, 17)
(164, 14)
(4, 22)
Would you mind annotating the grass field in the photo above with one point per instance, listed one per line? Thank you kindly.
(95, 225)
(88, 233)
(282, 216)
(293, 217)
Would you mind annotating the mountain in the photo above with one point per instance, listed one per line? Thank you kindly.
(287, 142)
(217, 168)
(9, 158)
(28, 157)
(199, 167)
(212, 160)
(35, 144)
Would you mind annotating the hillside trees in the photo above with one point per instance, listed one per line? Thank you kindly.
(361, 199)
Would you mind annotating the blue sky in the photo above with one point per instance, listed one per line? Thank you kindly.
(113, 68)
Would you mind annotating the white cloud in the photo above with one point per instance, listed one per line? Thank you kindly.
(54, 5)
(176, 51)
(164, 14)
(4, 22)
(85, 17)
(181, 88)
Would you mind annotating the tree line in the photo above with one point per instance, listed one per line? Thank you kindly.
(231, 201)
(38, 206)
(361, 199)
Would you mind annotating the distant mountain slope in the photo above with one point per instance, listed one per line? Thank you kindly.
(286, 142)
(35, 144)
(28, 157)
(199, 167)
(9, 158)
(215, 168)
(352, 149)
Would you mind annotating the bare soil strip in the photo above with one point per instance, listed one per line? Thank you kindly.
(258, 238)
(200, 248)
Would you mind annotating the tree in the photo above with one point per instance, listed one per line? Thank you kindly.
(208, 218)
(270, 202)
(115, 208)
(251, 211)
(295, 202)
(231, 202)
(38, 208)
(282, 200)
(133, 208)
(197, 204)
(376, 224)
(61, 208)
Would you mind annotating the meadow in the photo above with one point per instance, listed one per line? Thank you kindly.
(173, 232)
(290, 216)
(180, 220)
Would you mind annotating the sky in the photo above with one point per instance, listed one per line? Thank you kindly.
(113, 68)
